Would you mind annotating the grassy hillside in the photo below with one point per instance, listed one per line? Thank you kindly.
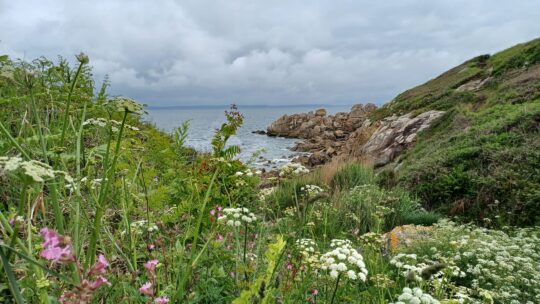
(482, 159)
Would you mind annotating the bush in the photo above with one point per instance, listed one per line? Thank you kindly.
(422, 218)
(372, 209)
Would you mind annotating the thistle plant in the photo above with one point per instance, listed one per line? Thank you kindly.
(82, 59)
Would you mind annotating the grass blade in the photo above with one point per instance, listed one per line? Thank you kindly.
(13, 285)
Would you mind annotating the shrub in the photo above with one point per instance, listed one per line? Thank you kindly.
(369, 208)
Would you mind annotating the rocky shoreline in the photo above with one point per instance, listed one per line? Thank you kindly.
(351, 134)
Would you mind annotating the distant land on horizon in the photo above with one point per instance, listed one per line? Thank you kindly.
(153, 107)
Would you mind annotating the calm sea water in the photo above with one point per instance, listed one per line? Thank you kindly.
(205, 120)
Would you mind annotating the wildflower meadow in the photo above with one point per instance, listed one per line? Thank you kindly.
(99, 206)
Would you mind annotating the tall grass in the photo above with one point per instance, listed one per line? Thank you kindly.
(351, 175)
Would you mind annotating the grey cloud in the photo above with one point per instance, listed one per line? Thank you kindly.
(279, 52)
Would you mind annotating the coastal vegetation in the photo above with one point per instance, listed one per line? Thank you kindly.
(98, 206)
(480, 160)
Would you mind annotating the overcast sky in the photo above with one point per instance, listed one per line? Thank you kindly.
(265, 52)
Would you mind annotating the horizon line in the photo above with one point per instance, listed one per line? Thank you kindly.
(159, 107)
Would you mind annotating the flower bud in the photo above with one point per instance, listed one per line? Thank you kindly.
(82, 58)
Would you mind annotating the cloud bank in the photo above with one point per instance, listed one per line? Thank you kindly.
(265, 52)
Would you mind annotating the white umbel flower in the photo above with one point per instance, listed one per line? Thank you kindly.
(415, 296)
(343, 258)
(292, 169)
(35, 170)
(235, 217)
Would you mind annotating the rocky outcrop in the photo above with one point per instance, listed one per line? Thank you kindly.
(404, 236)
(318, 124)
(379, 143)
(324, 136)
(351, 134)
(473, 85)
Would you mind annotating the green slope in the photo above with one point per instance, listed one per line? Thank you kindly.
(482, 159)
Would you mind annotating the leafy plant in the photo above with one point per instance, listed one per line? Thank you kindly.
(224, 133)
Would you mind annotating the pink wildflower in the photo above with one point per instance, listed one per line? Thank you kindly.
(151, 265)
(161, 300)
(151, 247)
(98, 282)
(219, 237)
(56, 248)
(146, 289)
(83, 294)
(99, 266)
(314, 292)
(51, 237)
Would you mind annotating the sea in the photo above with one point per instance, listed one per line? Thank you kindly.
(256, 150)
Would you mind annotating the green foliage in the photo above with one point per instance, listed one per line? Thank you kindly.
(352, 175)
(287, 193)
(369, 208)
(180, 135)
(227, 129)
(465, 173)
(478, 160)
(262, 290)
(522, 55)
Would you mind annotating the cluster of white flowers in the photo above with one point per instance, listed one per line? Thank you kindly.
(311, 190)
(407, 263)
(264, 193)
(306, 245)
(344, 259)
(248, 172)
(438, 270)
(415, 296)
(94, 183)
(102, 122)
(235, 216)
(503, 266)
(122, 104)
(141, 226)
(507, 265)
(292, 169)
(33, 169)
(309, 253)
